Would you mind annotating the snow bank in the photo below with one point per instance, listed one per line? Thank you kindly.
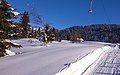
(82, 65)
(117, 46)
(9, 53)
(12, 42)
(29, 40)
(16, 44)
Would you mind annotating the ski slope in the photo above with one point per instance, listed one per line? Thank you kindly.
(35, 59)
(110, 64)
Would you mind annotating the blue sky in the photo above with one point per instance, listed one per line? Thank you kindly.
(67, 13)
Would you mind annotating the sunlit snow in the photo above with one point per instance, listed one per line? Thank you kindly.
(59, 57)
(15, 13)
(9, 53)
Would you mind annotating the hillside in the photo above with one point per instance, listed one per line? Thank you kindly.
(34, 59)
(97, 32)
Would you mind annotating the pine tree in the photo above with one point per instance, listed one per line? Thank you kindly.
(24, 21)
(3, 17)
(50, 33)
(6, 13)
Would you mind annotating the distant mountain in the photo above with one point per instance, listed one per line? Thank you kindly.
(97, 32)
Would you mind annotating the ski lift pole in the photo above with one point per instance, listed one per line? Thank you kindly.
(91, 4)
(90, 10)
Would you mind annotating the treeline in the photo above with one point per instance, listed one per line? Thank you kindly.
(97, 32)
(9, 29)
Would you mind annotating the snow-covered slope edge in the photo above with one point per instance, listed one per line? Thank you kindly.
(9, 52)
(80, 66)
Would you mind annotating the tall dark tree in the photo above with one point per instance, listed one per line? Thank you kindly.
(25, 19)
(6, 12)
(50, 33)
(97, 32)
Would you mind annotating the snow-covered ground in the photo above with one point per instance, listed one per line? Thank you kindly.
(109, 64)
(80, 67)
(35, 59)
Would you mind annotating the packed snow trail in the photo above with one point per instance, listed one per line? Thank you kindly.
(110, 65)
(79, 67)
(37, 60)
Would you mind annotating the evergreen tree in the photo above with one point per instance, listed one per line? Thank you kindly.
(39, 31)
(24, 21)
(6, 13)
(50, 33)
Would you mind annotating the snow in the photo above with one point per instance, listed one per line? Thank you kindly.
(15, 13)
(117, 46)
(79, 67)
(9, 53)
(35, 28)
(12, 8)
(13, 25)
(32, 59)
(109, 64)
(12, 42)
(1, 31)
(8, 4)
(16, 44)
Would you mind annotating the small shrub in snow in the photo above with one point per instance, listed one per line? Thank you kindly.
(6, 45)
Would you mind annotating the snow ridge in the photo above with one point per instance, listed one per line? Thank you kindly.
(9, 53)
(79, 67)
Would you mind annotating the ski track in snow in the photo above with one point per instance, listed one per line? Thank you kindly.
(110, 65)
(36, 60)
